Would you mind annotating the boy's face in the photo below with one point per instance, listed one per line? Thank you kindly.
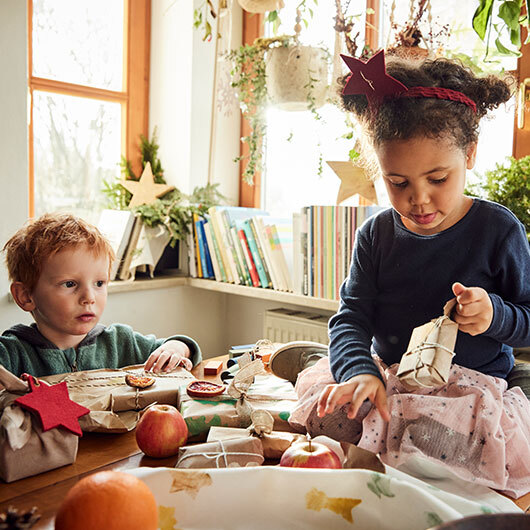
(70, 296)
(425, 180)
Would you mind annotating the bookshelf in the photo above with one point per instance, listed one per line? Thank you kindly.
(164, 282)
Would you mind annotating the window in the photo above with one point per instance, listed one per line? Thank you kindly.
(298, 146)
(88, 88)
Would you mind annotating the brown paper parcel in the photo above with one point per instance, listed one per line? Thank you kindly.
(115, 406)
(237, 452)
(427, 362)
(25, 450)
(274, 444)
(266, 392)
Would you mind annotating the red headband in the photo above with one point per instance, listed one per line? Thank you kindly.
(370, 78)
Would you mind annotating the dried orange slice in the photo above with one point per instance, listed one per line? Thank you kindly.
(139, 381)
(204, 389)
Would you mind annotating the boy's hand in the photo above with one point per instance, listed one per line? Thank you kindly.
(354, 391)
(168, 356)
(473, 311)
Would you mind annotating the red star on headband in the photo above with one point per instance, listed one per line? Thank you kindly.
(370, 78)
(53, 405)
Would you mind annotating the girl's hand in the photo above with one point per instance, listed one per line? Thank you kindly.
(473, 311)
(168, 356)
(354, 391)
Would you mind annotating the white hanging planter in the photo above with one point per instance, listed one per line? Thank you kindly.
(296, 75)
(261, 6)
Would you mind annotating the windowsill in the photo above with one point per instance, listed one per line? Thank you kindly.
(169, 281)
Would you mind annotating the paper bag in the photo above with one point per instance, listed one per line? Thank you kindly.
(265, 392)
(429, 355)
(274, 444)
(115, 406)
(26, 450)
(237, 452)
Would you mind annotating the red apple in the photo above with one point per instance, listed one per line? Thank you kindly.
(310, 454)
(161, 431)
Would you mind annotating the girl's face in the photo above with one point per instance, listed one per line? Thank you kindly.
(425, 179)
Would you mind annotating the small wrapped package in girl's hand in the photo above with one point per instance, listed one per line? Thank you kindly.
(427, 362)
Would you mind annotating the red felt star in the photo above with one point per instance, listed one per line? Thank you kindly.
(53, 405)
(370, 78)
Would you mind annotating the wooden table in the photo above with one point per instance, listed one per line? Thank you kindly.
(97, 451)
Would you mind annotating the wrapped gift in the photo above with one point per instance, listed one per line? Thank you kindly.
(274, 443)
(115, 405)
(250, 389)
(27, 449)
(429, 355)
(236, 452)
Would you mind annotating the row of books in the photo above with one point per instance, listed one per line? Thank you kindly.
(243, 246)
(323, 242)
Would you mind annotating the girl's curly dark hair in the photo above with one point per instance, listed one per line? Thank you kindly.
(403, 118)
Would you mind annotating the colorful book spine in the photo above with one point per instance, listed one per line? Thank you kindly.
(207, 256)
(220, 245)
(259, 245)
(240, 256)
(215, 261)
(248, 258)
(202, 256)
(197, 249)
(281, 259)
(212, 242)
(231, 249)
(263, 279)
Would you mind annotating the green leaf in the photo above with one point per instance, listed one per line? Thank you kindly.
(482, 17)
(509, 12)
(515, 37)
(273, 15)
(503, 50)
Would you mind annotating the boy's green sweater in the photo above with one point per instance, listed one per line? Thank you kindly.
(23, 349)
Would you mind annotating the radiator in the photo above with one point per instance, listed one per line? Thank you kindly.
(286, 325)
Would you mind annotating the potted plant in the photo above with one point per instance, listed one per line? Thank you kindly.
(509, 185)
(276, 70)
(173, 211)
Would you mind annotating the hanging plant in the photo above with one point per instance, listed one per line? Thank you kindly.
(174, 210)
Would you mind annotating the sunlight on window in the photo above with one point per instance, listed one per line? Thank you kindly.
(79, 42)
(297, 145)
(77, 145)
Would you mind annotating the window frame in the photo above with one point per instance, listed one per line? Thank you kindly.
(133, 99)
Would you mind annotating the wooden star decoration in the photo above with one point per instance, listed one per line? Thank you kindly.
(53, 405)
(145, 190)
(353, 181)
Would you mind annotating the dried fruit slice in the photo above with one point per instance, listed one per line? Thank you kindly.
(139, 381)
(204, 389)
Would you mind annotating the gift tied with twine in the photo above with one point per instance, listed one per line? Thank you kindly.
(426, 344)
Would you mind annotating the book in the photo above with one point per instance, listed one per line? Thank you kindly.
(213, 254)
(253, 272)
(253, 228)
(195, 219)
(263, 280)
(207, 254)
(190, 243)
(297, 254)
(240, 256)
(265, 244)
(231, 246)
(281, 257)
(219, 239)
(202, 256)
(116, 226)
(125, 272)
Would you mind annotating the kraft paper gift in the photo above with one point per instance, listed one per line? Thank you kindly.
(274, 444)
(26, 450)
(250, 390)
(237, 452)
(115, 406)
(427, 362)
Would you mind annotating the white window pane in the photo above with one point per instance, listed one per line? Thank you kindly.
(76, 145)
(79, 41)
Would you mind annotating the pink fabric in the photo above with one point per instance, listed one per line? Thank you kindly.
(474, 425)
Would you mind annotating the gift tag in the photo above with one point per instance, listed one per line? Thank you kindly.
(52, 404)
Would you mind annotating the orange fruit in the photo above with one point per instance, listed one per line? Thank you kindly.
(109, 500)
